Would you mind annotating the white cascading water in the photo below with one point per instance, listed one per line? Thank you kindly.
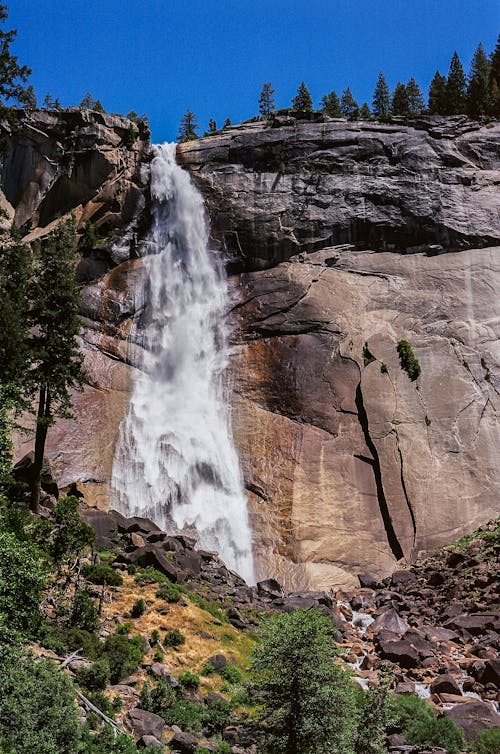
(175, 459)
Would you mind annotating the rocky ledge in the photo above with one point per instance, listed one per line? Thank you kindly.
(275, 190)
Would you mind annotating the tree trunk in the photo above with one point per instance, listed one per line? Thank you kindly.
(42, 425)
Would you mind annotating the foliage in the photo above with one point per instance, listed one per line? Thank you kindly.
(100, 573)
(189, 681)
(441, 731)
(95, 677)
(123, 655)
(408, 360)
(302, 102)
(169, 592)
(207, 669)
(348, 105)
(307, 701)
(381, 104)
(455, 88)
(210, 607)
(138, 608)
(230, 673)
(84, 613)
(174, 638)
(12, 76)
(89, 103)
(189, 716)
(63, 641)
(478, 102)
(266, 101)
(22, 580)
(157, 699)
(105, 741)
(187, 127)
(375, 715)
(331, 105)
(16, 279)
(487, 742)
(71, 535)
(38, 714)
(365, 113)
(49, 103)
(399, 105)
(415, 98)
(437, 94)
(56, 361)
(494, 81)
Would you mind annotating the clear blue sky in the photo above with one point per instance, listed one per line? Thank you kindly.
(160, 57)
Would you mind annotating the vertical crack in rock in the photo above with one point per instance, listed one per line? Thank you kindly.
(405, 491)
(392, 539)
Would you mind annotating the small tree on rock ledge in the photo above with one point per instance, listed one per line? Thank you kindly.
(187, 127)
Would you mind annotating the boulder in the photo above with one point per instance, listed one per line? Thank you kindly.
(473, 717)
(403, 578)
(368, 580)
(389, 620)
(149, 742)
(445, 684)
(23, 472)
(475, 623)
(218, 661)
(104, 526)
(146, 724)
(184, 743)
(401, 652)
(271, 589)
(153, 555)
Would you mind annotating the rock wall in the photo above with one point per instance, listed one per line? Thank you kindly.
(349, 465)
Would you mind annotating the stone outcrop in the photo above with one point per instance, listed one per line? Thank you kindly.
(334, 233)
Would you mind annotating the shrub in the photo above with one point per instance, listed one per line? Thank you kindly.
(441, 731)
(123, 655)
(487, 742)
(95, 677)
(409, 708)
(169, 592)
(157, 699)
(217, 717)
(68, 640)
(158, 656)
(207, 669)
(189, 681)
(150, 576)
(174, 638)
(408, 360)
(189, 716)
(105, 741)
(38, 714)
(71, 534)
(99, 573)
(84, 613)
(138, 608)
(123, 629)
(155, 637)
(102, 702)
(230, 673)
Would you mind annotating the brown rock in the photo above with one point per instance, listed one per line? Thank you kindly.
(146, 724)
(473, 717)
(445, 684)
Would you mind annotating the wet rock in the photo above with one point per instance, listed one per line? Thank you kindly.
(400, 652)
(104, 526)
(473, 717)
(445, 684)
(389, 620)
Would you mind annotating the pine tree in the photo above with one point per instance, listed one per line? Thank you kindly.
(56, 362)
(438, 95)
(381, 105)
(16, 280)
(494, 82)
(227, 123)
(348, 105)
(49, 103)
(331, 105)
(29, 98)
(266, 101)
(455, 88)
(12, 78)
(415, 98)
(187, 127)
(365, 113)
(212, 126)
(400, 105)
(478, 87)
(302, 102)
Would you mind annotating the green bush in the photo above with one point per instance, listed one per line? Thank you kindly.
(105, 741)
(99, 573)
(123, 655)
(409, 708)
(123, 629)
(158, 698)
(138, 608)
(95, 677)
(38, 714)
(408, 360)
(84, 613)
(189, 716)
(487, 742)
(63, 641)
(71, 534)
(174, 638)
(102, 702)
(207, 669)
(217, 717)
(230, 673)
(441, 731)
(169, 592)
(189, 681)
(149, 576)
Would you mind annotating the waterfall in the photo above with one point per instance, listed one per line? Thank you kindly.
(175, 460)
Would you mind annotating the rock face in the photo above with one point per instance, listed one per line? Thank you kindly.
(350, 466)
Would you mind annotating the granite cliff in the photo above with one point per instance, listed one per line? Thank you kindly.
(342, 239)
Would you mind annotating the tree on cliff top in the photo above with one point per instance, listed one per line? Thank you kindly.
(455, 87)
(12, 75)
(494, 81)
(381, 105)
(478, 100)
(56, 362)
(348, 105)
(331, 105)
(302, 102)
(437, 94)
(187, 127)
(266, 101)
(307, 700)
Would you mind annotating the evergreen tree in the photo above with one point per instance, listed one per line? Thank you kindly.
(306, 698)
(415, 98)
(348, 105)
(365, 113)
(55, 356)
(15, 283)
(455, 88)
(89, 103)
(438, 95)
(29, 98)
(12, 75)
(49, 103)
(400, 104)
(494, 82)
(376, 715)
(227, 123)
(266, 101)
(478, 88)
(381, 105)
(187, 127)
(302, 102)
(212, 126)
(331, 105)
